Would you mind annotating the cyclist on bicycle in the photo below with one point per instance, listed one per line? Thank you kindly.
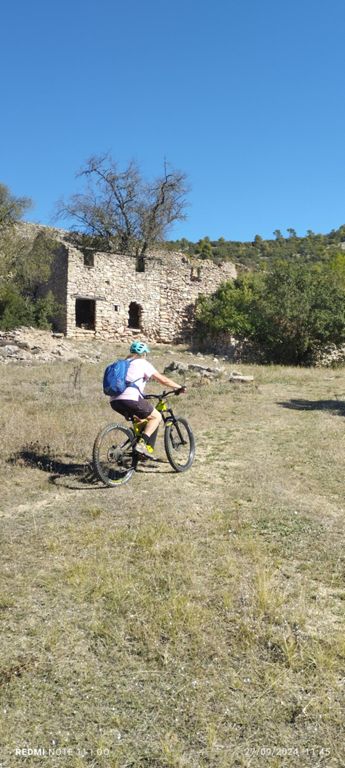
(132, 403)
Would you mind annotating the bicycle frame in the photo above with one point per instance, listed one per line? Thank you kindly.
(166, 412)
(162, 407)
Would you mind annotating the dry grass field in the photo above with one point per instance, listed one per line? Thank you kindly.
(179, 621)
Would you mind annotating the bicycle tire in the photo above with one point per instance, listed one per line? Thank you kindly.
(178, 436)
(114, 465)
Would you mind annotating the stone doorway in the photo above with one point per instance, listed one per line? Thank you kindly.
(134, 315)
(85, 314)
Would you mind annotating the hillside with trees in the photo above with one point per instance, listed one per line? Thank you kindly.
(259, 252)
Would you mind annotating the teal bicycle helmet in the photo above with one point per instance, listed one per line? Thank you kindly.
(139, 348)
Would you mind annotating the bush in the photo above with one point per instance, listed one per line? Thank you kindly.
(289, 312)
(15, 309)
(45, 311)
(25, 268)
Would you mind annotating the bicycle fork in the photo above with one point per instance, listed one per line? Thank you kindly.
(170, 421)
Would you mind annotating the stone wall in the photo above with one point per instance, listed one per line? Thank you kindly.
(224, 344)
(165, 292)
(57, 282)
(58, 285)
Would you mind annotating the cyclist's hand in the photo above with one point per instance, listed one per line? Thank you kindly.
(180, 391)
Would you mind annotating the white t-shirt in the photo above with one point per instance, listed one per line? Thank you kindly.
(140, 371)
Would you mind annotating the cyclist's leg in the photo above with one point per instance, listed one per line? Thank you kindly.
(144, 411)
(151, 440)
(153, 421)
(126, 408)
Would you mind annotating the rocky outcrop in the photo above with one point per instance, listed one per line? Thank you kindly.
(32, 345)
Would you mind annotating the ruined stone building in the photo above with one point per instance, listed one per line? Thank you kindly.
(108, 295)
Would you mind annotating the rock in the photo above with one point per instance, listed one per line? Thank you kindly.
(196, 367)
(12, 349)
(22, 356)
(330, 355)
(34, 345)
(23, 345)
(236, 376)
(176, 366)
(199, 368)
(182, 368)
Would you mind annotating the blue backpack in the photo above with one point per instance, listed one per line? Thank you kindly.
(114, 379)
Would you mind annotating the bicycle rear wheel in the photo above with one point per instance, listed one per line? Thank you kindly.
(179, 444)
(113, 458)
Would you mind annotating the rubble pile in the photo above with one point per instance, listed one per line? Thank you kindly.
(32, 345)
(205, 371)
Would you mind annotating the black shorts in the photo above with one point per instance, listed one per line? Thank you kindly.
(140, 408)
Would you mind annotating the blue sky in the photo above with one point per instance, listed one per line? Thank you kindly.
(245, 96)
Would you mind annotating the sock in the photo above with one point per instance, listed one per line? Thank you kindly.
(151, 440)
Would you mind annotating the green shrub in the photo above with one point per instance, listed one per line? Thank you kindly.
(25, 268)
(289, 312)
(45, 311)
(15, 309)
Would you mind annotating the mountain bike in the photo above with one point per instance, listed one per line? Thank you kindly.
(114, 457)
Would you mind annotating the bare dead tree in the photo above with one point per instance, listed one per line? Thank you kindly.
(164, 203)
(130, 214)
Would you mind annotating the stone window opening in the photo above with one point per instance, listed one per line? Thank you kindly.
(85, 314)
(195, 273)
(140, 264)
(134, 315)
(89, 257)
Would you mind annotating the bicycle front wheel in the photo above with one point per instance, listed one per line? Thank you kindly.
(179, 444)
(113, 456)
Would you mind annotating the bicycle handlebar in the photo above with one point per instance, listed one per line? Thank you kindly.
(166, 393)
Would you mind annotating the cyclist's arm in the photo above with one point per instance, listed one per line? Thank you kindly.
(165, 381)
